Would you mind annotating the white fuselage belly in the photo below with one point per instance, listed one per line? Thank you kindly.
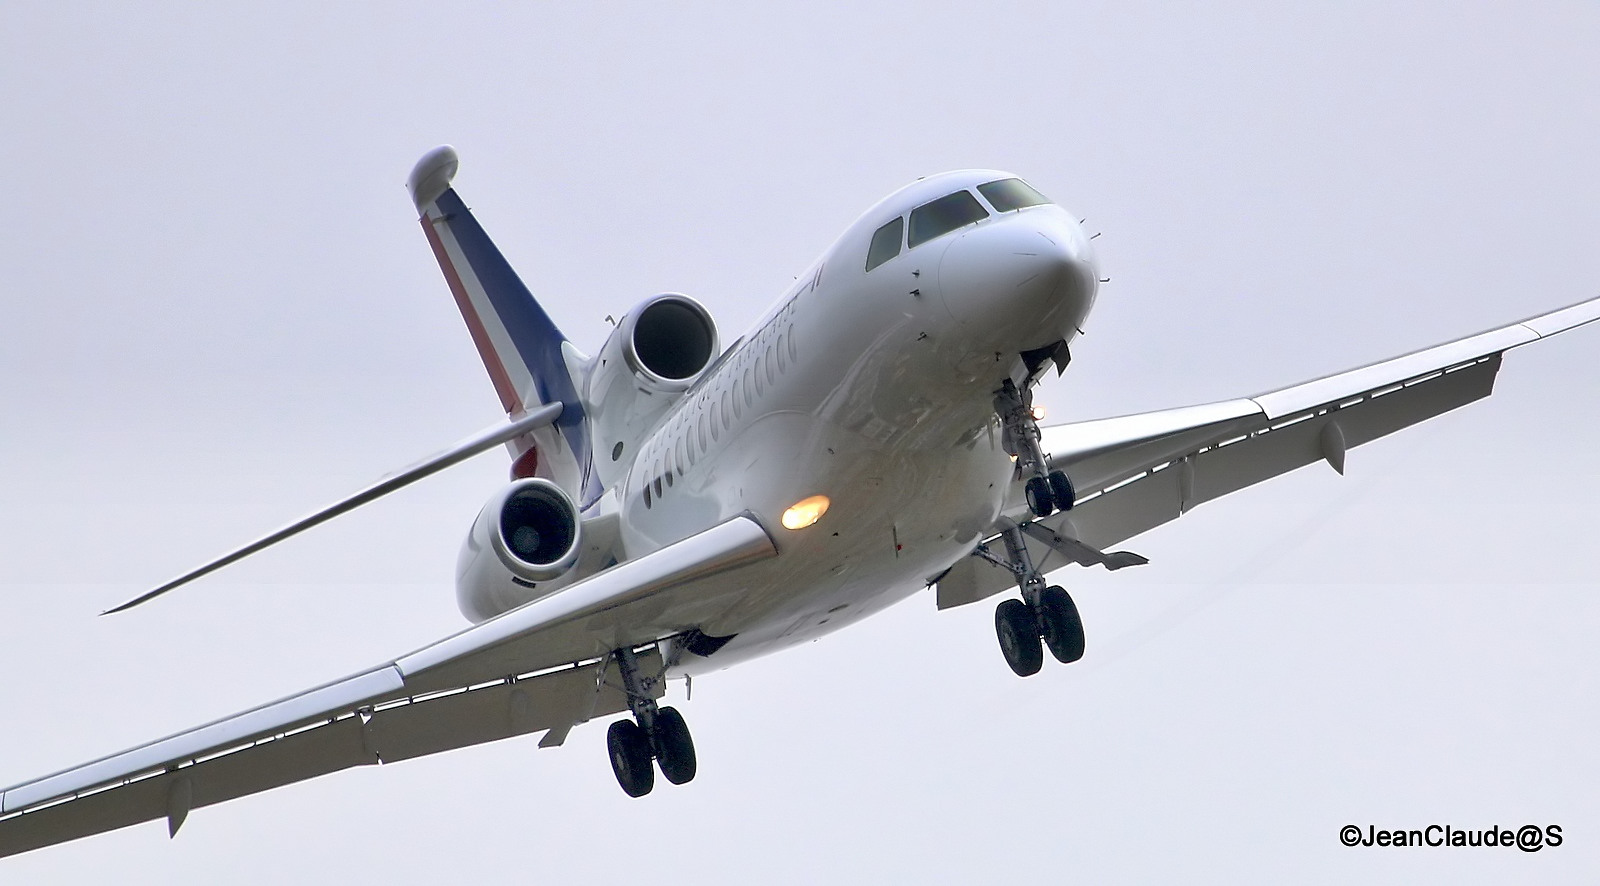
(874, 389)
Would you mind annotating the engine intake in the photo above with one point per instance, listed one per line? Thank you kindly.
(668, 340)
(536, 530)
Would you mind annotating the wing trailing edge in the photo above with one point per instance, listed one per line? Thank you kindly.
(1136, 472)
(542, 667)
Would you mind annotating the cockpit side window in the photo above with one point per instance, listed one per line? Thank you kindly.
(944, 215)
(1011, 193)
(885, 243)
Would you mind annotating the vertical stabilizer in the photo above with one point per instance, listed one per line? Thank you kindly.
(528, 359)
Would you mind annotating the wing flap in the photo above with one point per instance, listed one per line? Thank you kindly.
(1315, 394)
(1281, 448)
(278, 717)
(553, 701)
(268, 764)
(1107, 451)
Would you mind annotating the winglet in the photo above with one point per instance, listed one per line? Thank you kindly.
(432, 175)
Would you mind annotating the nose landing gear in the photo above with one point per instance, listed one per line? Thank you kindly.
(1047, 491)
(1045, 617)
(656, 734)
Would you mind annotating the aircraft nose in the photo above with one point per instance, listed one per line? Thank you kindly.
(1020, 276)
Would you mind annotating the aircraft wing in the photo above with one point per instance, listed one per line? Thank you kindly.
(542, 667)
(1136, 472)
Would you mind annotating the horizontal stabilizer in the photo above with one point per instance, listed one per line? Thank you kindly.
(474, 445)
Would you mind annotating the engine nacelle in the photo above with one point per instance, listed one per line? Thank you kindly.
(656, 353)
(533, 531)
(666, 341)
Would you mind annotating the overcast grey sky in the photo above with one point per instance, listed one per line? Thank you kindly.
(219, 313)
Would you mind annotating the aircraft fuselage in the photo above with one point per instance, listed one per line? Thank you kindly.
(875, 389)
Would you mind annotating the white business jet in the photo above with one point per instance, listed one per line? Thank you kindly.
(675, 507)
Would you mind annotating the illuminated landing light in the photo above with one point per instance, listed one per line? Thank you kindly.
(1038, 413)
(805, 512)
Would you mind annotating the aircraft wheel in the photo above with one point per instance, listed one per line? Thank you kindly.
(1061, 490)
(1040, 499)
(629, 747)
(674, 747)
(1018, 631)
(1063, 628)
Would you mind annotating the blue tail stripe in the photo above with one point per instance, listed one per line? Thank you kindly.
(535, 335)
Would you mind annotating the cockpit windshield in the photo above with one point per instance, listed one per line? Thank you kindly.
(885, 243)
(944, 215)
(1011, 193)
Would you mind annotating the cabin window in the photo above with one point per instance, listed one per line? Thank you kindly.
(944, 215)
(885, 243)
(1011, 193)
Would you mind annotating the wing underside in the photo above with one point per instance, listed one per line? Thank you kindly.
(385, 732)
(1136, 472)
(543, 667)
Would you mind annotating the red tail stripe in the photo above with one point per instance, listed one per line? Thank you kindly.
(480, 336)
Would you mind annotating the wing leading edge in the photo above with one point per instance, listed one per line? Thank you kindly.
(1136, 472)
(545, 666)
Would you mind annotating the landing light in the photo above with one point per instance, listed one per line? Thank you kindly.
(1038, 413)
(805, 512)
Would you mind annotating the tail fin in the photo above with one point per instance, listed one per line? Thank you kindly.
(528, 359)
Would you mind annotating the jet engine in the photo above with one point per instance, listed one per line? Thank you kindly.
(665, 342)
(657, 351)
(534, 532)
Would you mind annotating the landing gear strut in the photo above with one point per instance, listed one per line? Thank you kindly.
(1044, 613)
(1047, 491)
(654, 734)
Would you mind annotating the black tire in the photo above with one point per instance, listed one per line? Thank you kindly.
(1040, 499)
(1063, 628)
(1061, 490)
(674, 747)
(1018, 633)
(629, 748)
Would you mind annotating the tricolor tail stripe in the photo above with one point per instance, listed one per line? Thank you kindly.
(519, 344)
(503, 386)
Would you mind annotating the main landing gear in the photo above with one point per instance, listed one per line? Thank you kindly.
(1044, 617)
(656, 736)
(1047, 491)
